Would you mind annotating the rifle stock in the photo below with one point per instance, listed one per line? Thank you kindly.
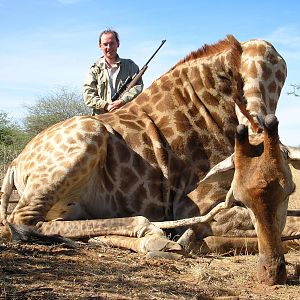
(131, 82)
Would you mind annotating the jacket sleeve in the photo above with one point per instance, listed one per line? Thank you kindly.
(135, 90)
(91, 96)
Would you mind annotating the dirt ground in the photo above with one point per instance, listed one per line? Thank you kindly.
(99, 272)
(41, 272)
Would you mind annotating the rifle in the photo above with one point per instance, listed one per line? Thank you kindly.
(132, 81)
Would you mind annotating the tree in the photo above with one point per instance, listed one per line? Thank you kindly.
(296, 90)
(12, 139)
(58, 105)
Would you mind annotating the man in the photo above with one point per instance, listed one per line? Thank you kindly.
(107, 75)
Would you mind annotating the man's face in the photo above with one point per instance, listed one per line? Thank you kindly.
(109, 45)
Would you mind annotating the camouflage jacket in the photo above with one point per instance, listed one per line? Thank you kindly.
(96, 88)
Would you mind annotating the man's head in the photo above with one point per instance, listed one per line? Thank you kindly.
(109, 43)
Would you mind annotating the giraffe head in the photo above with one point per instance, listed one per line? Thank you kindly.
(263, 182)
(263, 72)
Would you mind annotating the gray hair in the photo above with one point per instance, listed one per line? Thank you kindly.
(108, 30)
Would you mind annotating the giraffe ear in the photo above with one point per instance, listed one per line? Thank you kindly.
(293, 154)
(220, 172)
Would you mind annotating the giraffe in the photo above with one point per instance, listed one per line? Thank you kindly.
(121, 175)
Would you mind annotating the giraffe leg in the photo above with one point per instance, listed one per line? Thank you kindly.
(232, 231)
(135, 233)
(152, 245)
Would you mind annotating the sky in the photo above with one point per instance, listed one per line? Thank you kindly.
(45, 45)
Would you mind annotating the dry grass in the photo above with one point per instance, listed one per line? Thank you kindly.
(294, 202)
(40, 272)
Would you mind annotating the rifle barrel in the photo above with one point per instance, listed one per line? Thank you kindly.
(163, 41)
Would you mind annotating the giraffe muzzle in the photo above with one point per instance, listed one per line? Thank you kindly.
(272, 270)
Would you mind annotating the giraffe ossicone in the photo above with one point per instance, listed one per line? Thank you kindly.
(116, 174)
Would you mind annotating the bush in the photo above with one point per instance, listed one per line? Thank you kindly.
(58, 105)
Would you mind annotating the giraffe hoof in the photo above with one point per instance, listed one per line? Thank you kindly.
(162, 244)
(162, 254)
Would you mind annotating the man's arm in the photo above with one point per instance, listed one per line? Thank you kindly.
(91, 95)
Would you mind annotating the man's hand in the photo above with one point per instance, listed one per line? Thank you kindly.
(115, 105)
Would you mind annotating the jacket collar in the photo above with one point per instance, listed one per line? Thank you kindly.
(101, 61)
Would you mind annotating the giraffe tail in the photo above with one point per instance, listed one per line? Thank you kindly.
(6, 190)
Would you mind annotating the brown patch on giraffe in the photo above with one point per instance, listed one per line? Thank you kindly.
(177, 145)
(35, 186)
(99, 140)
(66, 165)
(178, 81)
(71, 127)
(182, 123)
(130, 124)
(71, 150)
(138, 195)
(207, 76)
(272, 87)
(272, 105)
(262, 91)
(196, 80)
(88, 126)
(139, 166)
(154, 88)
(210, 99)
(261, 50)
(278, 91)
(71, 140)
(108, 184)
(122, 152)
(279, 75)
(155, 211)
(272, 58)
(92, 149)
(217, 117)
(167, 85)
(58, 138)
(149, 155)
(253, 50)
(146, 139)
(125, 116)
(144, 97)
(162, 105)
(176, 166)
(49, 147)
(141, 123)
(58, 174)
(193, 111)
(175, 73)
(80, 137)
(224, 86)
(147, 108)
(168, 132)
(198, 152)
(266, 71)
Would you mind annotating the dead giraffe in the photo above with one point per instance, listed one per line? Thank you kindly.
(110, 174)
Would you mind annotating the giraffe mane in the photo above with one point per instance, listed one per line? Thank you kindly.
(207, 50)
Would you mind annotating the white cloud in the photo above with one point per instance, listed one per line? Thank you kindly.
(287, 35)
